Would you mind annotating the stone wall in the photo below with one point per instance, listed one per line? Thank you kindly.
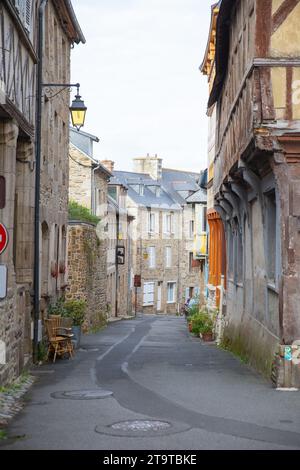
(55, 159)
(80, 167)
(87, 273)
(181, 245)
(118, 289)
(18, 216)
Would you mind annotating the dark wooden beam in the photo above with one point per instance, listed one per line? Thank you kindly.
(282, 13)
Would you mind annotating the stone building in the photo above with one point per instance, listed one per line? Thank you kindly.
(256, 178)
(118, 229)
(87, 245)
(18, 94)
(163, 234)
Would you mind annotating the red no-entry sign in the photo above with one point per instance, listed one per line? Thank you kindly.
(3, 238)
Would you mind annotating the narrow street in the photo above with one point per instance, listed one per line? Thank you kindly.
(155, 370)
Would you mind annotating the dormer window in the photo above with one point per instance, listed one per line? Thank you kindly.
(24, 8)
(155, 190)
(138, 188)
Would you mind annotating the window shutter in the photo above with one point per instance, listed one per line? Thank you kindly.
(164, 223)
(145, 294)
(148, 293)
(152, 260)
(172, 223)
(156, 222)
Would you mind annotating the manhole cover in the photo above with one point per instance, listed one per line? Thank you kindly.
(141, 426)
(83, 394)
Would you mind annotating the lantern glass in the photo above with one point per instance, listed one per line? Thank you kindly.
(78, 112)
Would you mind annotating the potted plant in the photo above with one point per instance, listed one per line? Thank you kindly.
(206, 329)
(75, 309)
(57, 309)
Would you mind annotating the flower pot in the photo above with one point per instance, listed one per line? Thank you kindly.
(76, 330)
(190, 327)
(207, 337)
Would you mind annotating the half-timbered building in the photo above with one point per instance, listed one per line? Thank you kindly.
(256, 92)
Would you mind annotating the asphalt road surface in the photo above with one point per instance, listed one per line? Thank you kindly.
(148, 384)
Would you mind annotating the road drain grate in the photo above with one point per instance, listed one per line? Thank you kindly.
(141, 426)
(83, 394)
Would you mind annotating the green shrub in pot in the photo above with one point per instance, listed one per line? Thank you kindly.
(75, 309)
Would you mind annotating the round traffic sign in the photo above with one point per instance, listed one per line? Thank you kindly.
(3, 238)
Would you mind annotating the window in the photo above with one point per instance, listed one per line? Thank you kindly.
(148, 293)
(112, 192)
(155, 190)
(168, 223)
(192, 228)
(138, 188)
(272, 234)
(152, 257)
(236, 252)
(204, 219)
(191, 259)
(168, 256)
(151, 222)
(171, 292)
(2, 192)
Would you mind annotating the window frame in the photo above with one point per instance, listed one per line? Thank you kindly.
(152, 257)
(173, 283)
(168, 257)
(151, 302)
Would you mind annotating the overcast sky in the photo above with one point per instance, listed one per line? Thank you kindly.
(140, 78)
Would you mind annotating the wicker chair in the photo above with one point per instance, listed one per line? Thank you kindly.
(60, 338)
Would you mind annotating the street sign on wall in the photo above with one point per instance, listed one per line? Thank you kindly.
(137, 281)
(3, 281)
(3, 238)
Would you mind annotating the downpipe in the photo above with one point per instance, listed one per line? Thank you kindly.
(38, 145)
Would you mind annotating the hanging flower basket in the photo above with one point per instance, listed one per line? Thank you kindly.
(54, 270)
(62, 268)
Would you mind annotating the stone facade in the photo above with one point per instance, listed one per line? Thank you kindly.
(18, 64)
(87, 273)
(163, 236)
(17, 187)
(88, 245)
(119, 276)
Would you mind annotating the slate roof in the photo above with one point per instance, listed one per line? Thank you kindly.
(171, 183)
(198, 197)
(148, 199)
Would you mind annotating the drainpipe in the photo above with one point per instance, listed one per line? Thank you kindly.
(117, 266)
(38, 146)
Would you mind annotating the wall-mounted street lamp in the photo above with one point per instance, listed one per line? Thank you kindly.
(77, 109)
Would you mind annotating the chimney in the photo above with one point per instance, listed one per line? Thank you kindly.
(150, 165)
(109, 165)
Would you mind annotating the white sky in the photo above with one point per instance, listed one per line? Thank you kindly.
(140, 78)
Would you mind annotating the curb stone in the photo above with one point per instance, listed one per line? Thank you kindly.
(11, 400)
